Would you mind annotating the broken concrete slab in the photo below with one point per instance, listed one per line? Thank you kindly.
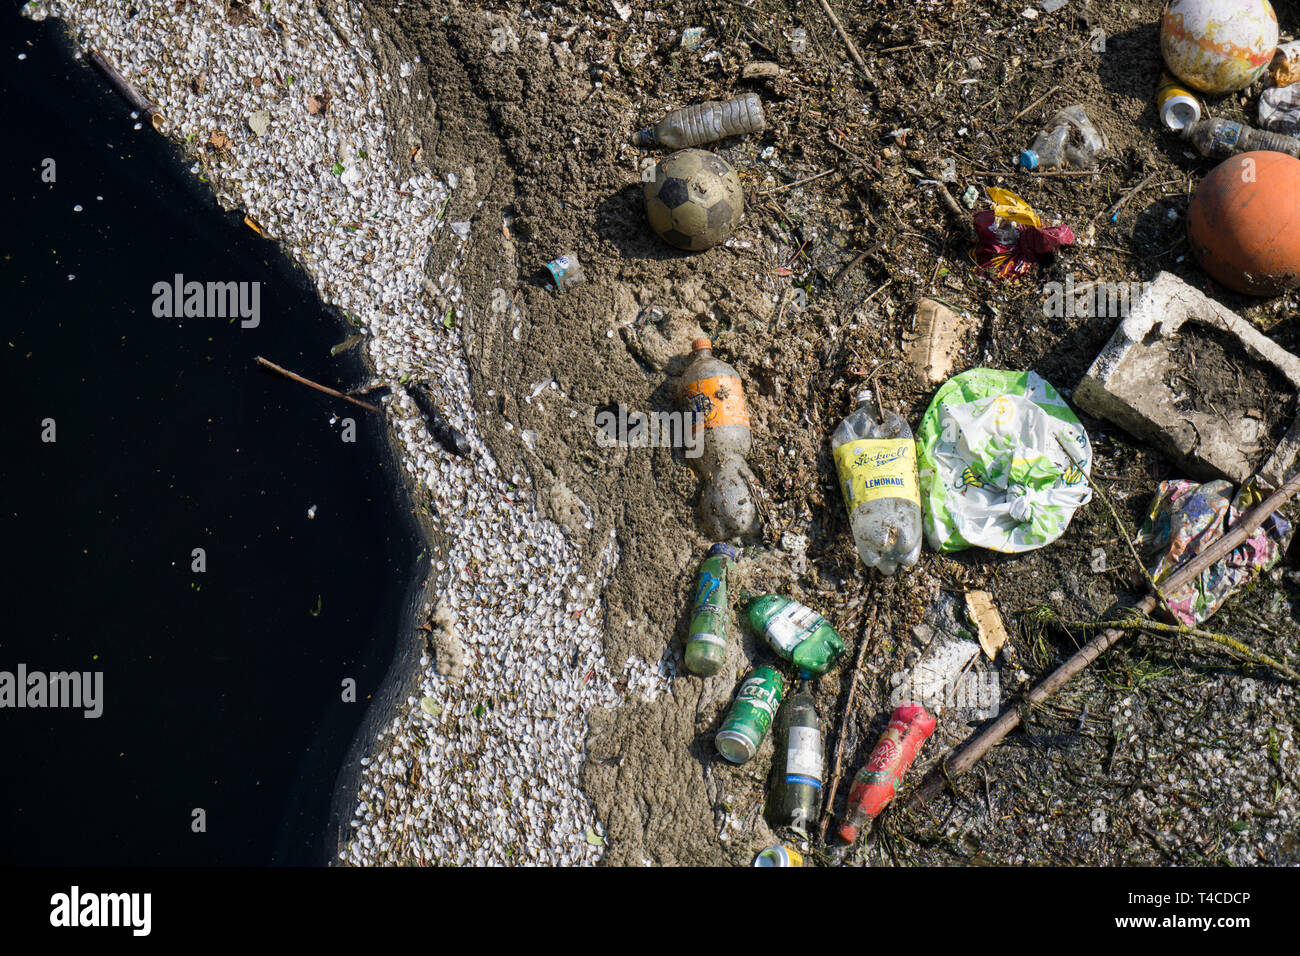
(1138, 382)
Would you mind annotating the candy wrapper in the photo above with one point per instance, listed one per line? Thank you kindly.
(1186, 518)
(1011, 239)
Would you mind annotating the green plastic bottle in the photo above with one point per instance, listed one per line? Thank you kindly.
(797, 633)
(706, 645)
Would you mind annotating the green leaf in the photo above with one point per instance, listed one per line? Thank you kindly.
(430, 706)
(337, 169)
(448, 322)
(479, 711)
(594, 838)
(315, 612)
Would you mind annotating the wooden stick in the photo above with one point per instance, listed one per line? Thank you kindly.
(982, 742)
(800, 182)
(853, 50)
(310, 384)
(844, 721)
(1107, 214)
(1055, 89)
(125, 89)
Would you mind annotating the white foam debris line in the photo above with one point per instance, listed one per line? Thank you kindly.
(494, 778)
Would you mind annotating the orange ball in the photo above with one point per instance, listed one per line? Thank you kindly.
(1244, 223)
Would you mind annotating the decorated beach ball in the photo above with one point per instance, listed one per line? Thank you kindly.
(1218, 46)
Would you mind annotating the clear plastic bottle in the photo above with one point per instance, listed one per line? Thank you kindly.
(705, 123)
(1068, 139)
(1221, 138)
(876, 461)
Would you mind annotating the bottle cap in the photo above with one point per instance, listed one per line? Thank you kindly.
(848, 833)
(724, 549)
(1029, 159)
(862, 396)
(701, 344)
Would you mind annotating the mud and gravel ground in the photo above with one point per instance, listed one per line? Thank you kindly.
(1161, 752)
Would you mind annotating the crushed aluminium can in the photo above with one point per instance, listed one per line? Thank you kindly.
(877, 782)
(750, 716)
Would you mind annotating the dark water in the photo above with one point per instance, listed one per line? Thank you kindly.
(222, 690)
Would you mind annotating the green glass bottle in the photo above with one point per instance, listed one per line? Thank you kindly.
(706, 645)
(798, 791)
(797, 633)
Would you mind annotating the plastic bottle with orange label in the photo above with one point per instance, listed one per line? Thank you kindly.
(711, 389)
(712, 393)
(876, 462)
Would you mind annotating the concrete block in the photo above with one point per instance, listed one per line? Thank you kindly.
(1130, 384)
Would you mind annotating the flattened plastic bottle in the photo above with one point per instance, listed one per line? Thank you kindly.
(1068, 139)
(876, 462)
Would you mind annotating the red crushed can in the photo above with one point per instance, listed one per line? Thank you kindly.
(877, 781)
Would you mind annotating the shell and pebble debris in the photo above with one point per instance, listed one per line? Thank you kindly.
(510, 733)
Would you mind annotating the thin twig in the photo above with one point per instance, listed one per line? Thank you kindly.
(838, 770)
(1055, 89)
(1119, 524)
(853, 50)
(1196, 633)
(799, 182)
(1109, 213)
(293, 376)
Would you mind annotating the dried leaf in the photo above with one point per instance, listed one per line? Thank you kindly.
(318, 103)
(416, 151)
(251, 223)
(218, 140)
(988, 622)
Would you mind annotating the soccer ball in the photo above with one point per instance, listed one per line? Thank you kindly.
(695, 199)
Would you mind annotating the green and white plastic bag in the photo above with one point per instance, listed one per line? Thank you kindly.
(993, 474)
